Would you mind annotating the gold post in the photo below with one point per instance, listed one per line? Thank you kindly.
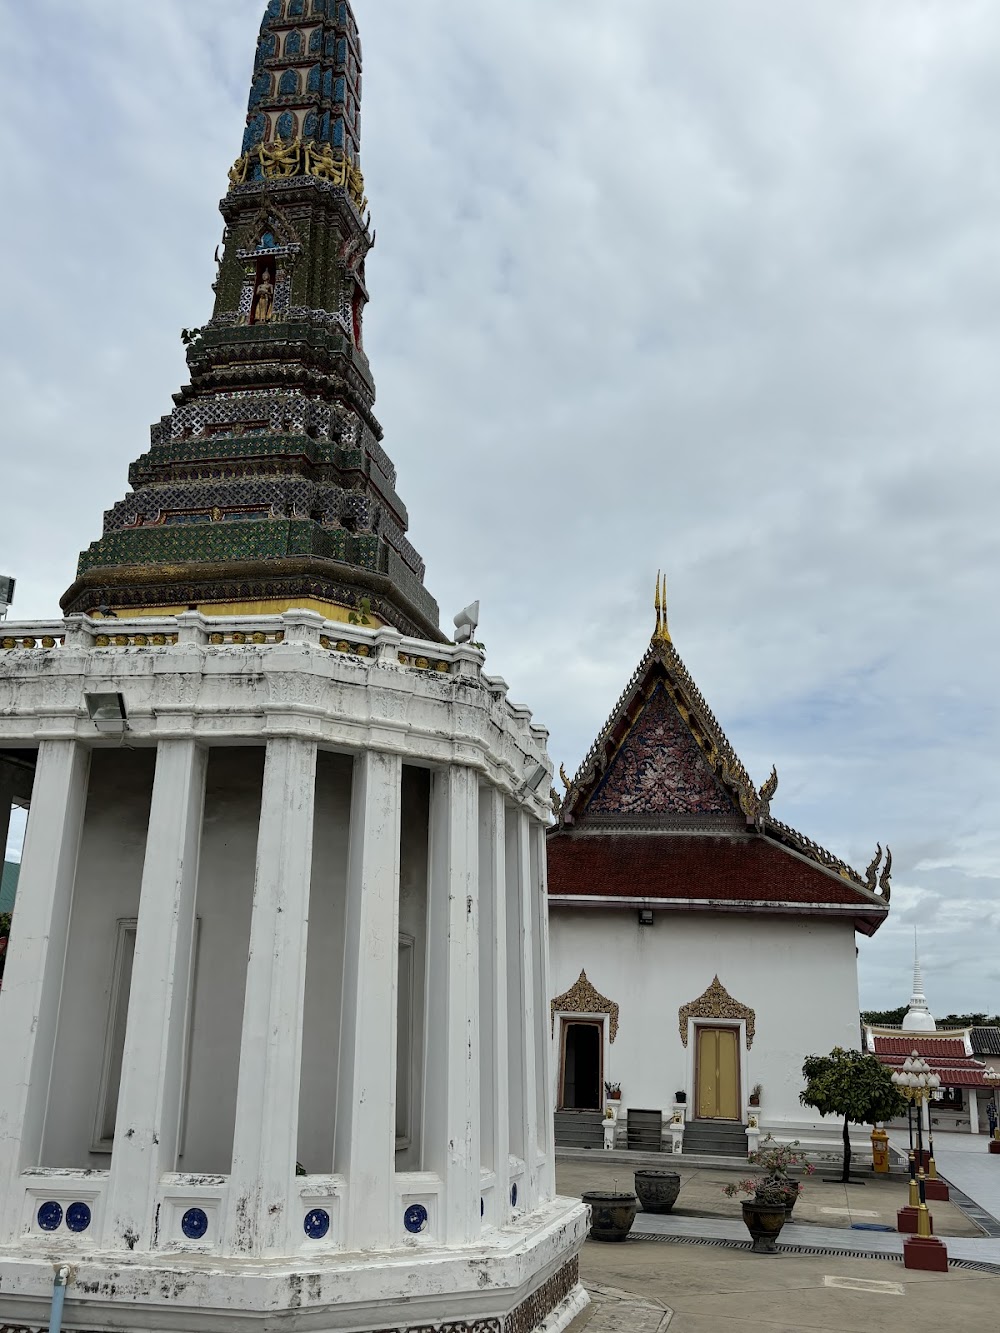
(914, 1190)
(923, 1214)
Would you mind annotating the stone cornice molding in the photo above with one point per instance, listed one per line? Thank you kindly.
(238, 680)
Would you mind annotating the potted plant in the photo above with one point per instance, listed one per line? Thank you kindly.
(764, 1212)
(613, 1092)
(755, 1092)
(777, 1159)
(680, 1096)
(611, 1213)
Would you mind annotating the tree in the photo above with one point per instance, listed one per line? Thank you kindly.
(890, 1017)
(970, 1021)
(858, 1087)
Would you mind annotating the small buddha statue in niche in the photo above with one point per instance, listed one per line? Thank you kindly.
(263, 298)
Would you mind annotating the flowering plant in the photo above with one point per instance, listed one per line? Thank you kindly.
(612, 1089)
(776, 1159)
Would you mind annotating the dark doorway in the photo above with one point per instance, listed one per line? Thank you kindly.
(581, 1080)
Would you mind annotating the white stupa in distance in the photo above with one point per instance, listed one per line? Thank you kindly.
(918, 1017)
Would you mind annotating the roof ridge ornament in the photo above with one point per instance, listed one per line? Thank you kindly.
(662, 631)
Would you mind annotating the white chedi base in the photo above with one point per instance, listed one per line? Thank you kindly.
(326, 845)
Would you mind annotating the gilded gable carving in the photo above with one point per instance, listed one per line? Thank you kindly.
(583, 998)
(716, 1002)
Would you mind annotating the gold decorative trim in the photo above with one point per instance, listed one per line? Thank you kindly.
(716, 1002)
(301, 157)
(582, 998)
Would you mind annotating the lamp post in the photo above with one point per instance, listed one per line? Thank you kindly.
(917, 1083)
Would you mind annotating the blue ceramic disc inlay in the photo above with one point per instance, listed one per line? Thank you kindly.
(513, 1195)
(78, 1216)
(317, 1223)
(50, 1216)
(415, 1217)
(194, 1223)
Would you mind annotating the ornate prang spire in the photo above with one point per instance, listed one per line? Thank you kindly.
(266, 486)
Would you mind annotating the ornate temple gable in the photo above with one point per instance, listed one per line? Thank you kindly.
(583, 998)
(716, 1002)
(660, 769)
(663, 761)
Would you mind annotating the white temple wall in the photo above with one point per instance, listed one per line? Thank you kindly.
(106, 891)
(797, 974)
(224, 903)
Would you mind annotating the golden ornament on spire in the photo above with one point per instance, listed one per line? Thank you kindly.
(662, 630)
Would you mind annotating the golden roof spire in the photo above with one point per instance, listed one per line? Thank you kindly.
(662, 631)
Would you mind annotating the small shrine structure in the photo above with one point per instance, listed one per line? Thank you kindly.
(275, 1000)
(701, 949)
(953, 1053)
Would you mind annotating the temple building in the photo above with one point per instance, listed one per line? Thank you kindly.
(701, 949)
(275, 998)
(955, 1054)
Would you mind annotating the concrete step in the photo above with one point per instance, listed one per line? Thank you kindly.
(579, 1129)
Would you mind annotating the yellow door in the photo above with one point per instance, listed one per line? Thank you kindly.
(718, 1074)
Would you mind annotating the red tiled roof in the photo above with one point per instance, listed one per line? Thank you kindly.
(942, 1048)
(737, 869)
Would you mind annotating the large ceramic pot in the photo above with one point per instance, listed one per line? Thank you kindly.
(611, 1215)
(657, 1190)
(764, 1221)
(791, 1198)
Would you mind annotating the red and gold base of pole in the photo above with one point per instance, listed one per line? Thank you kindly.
(923, 1252)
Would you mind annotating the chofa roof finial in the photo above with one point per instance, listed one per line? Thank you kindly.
(662, 630)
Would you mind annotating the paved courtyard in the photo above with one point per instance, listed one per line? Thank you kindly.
(691, 1271)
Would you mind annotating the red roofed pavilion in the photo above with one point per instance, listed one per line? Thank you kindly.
(689, 906)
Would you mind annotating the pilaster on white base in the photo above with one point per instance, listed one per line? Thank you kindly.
(267, 1102)
(366, 1091)
(451, 1122)
(546, 1090)
(526, 965)
(29, 1000)
(494, 1085)
(149, 1101)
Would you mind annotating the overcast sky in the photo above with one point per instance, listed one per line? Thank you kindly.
(708, 285)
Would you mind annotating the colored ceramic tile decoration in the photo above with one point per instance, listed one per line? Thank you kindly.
(267, 482)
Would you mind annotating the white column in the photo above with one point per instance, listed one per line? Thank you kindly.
(147, 1123)
(543, 995)
(262, 1179)
(530, 1009)
(973, 1112)
(494, 1089)
(366, 1087)
(29, 1001)
(516, 1034)
(451, 1070)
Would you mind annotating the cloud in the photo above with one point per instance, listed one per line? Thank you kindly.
(700, 285)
